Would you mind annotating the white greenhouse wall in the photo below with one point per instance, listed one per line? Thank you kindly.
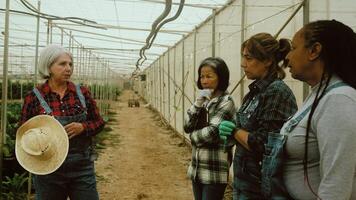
(176, 70)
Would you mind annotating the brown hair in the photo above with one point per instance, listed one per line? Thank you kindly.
(264, 46)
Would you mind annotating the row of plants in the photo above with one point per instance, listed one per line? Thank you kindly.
(17, 89)
(15, 176)
(115, 91)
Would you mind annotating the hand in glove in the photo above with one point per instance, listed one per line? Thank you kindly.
(203, 95)
(226, 129)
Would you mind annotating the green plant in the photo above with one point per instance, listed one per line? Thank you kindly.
(14, 188)
(13, 116)
(9, 148)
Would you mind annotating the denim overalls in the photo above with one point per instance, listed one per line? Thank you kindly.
(272, 185)
(75, 178)
(247, 171)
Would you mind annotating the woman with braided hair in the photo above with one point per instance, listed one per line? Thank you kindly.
(321, 144)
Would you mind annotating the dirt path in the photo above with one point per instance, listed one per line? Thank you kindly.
(143, 160)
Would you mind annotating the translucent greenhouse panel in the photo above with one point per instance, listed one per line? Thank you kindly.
(297, 86)
(228, 37)
(173, 88)
(161, 85)
(342, 10)
(151, 85)
(190, 70)
(204, 41)
(147, 96)
(269, 16)
(166, 86)
(179, 80)
(150, 82)
(143, 86)
(156, 85)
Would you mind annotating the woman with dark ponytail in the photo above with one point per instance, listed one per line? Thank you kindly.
(321, 144)
(266, 107)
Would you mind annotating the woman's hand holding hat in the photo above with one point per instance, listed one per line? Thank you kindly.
(73, 129)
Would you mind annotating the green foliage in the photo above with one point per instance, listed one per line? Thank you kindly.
(14, 188)
(97, 89)
(14, 89)
(13, 117)
(8, 149)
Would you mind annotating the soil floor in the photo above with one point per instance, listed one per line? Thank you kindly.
(142, 158)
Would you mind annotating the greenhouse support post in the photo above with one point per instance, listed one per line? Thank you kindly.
(305, 21)
(4, 89)
(243, 31)
(183, 84)
(37, 42)
(213, 34)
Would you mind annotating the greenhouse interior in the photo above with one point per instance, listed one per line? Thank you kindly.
(131, 76)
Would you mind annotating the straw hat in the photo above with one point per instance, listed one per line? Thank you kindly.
(41, 145)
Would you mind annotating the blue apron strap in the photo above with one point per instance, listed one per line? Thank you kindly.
(43, 103)
(81, 96)
(293, 122)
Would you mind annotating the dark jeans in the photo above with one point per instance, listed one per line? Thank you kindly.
(208, 191)
(74, 179)
(247, 179)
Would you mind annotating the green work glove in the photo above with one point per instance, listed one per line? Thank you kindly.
(225, 129)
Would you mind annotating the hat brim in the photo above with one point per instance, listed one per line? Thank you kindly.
(60, 146)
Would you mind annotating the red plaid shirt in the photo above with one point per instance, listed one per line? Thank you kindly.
(69, 105)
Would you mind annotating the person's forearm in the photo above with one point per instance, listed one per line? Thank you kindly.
(242, 137)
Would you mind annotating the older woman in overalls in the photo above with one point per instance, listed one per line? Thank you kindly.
(73, 106)
(265, 108)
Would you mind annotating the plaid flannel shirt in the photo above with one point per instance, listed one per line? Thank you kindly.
(70, 105)
(276, 103)
(210, 163)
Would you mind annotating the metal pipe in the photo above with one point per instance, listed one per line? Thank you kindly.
(48, 30)
(276, 35)
(169, 87)
(183, 84)
(195, 60)
(37, 43)
(306, 11)
(243, 24)
(4, 89)
(290, 18)
(160, 83)
(213, 34)
(175, 92)
(61, 36)
(164, 14)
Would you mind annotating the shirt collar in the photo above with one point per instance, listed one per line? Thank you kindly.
(46, 89)
(261, 84)
(334, 79)
(216, 99)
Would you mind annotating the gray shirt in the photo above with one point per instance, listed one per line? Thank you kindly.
(332, 148)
